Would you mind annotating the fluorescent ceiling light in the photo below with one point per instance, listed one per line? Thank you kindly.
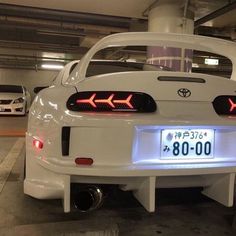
(210, 61)
(52, 66)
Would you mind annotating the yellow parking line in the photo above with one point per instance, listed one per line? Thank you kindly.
(12, 133)
(9, 161)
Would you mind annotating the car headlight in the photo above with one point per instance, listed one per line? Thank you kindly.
(19, 100)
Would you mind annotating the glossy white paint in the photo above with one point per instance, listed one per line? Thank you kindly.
(125, 147)
(64, 74)
(12, 106)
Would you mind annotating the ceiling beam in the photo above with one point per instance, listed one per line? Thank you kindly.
(219, 12)
(65, 16)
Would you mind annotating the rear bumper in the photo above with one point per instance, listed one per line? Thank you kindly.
(217, 180)
(69, 168)
(123, 156)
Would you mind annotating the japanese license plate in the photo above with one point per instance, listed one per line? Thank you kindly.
(187, 143)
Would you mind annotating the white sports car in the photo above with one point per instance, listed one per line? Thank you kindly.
(138, 129)
(14, 100)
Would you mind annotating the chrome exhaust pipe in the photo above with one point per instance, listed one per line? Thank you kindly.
(88, 198)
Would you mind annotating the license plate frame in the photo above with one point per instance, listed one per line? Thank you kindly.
(179, 144)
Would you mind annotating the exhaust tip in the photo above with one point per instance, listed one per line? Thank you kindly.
(88, 198)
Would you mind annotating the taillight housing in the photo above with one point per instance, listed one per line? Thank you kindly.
(225, 105)
(101, 101)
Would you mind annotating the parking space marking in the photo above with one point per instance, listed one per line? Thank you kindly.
(12, 133)
(9, 161)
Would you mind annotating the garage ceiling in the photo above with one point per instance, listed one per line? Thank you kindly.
(131, 8)
(59, 30)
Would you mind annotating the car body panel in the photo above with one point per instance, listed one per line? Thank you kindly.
(126, 146)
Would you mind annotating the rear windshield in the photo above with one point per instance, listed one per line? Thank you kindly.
(138, 58)
(11, 89)
(104, 67)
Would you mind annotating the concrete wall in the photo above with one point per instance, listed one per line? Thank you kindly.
(28, 78)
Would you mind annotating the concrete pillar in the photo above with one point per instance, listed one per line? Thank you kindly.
(171, 16)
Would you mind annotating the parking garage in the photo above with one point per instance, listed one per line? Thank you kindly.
(94, 148)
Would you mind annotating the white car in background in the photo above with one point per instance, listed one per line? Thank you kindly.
(14, 100)
(136, 129)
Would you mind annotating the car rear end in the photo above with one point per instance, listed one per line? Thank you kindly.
(151, 130)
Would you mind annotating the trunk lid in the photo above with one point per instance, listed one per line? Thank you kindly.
(162, 85)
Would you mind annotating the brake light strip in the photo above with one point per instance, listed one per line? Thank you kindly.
(126, 101)
(88, 101)
(108, 101)
(92, 101)
(232, 104)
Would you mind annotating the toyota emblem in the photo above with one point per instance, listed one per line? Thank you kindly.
(184, 93)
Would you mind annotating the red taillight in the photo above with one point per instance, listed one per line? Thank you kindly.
(84, 161)
(232, 105)
(111, 101)
(225, 105)
(126, 101)
(108, 101)
(88, 101)
(37, 143)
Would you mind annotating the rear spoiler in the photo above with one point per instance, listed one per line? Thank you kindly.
(195, 42)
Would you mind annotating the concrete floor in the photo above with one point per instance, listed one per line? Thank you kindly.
(6, 144)
(179, 212)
